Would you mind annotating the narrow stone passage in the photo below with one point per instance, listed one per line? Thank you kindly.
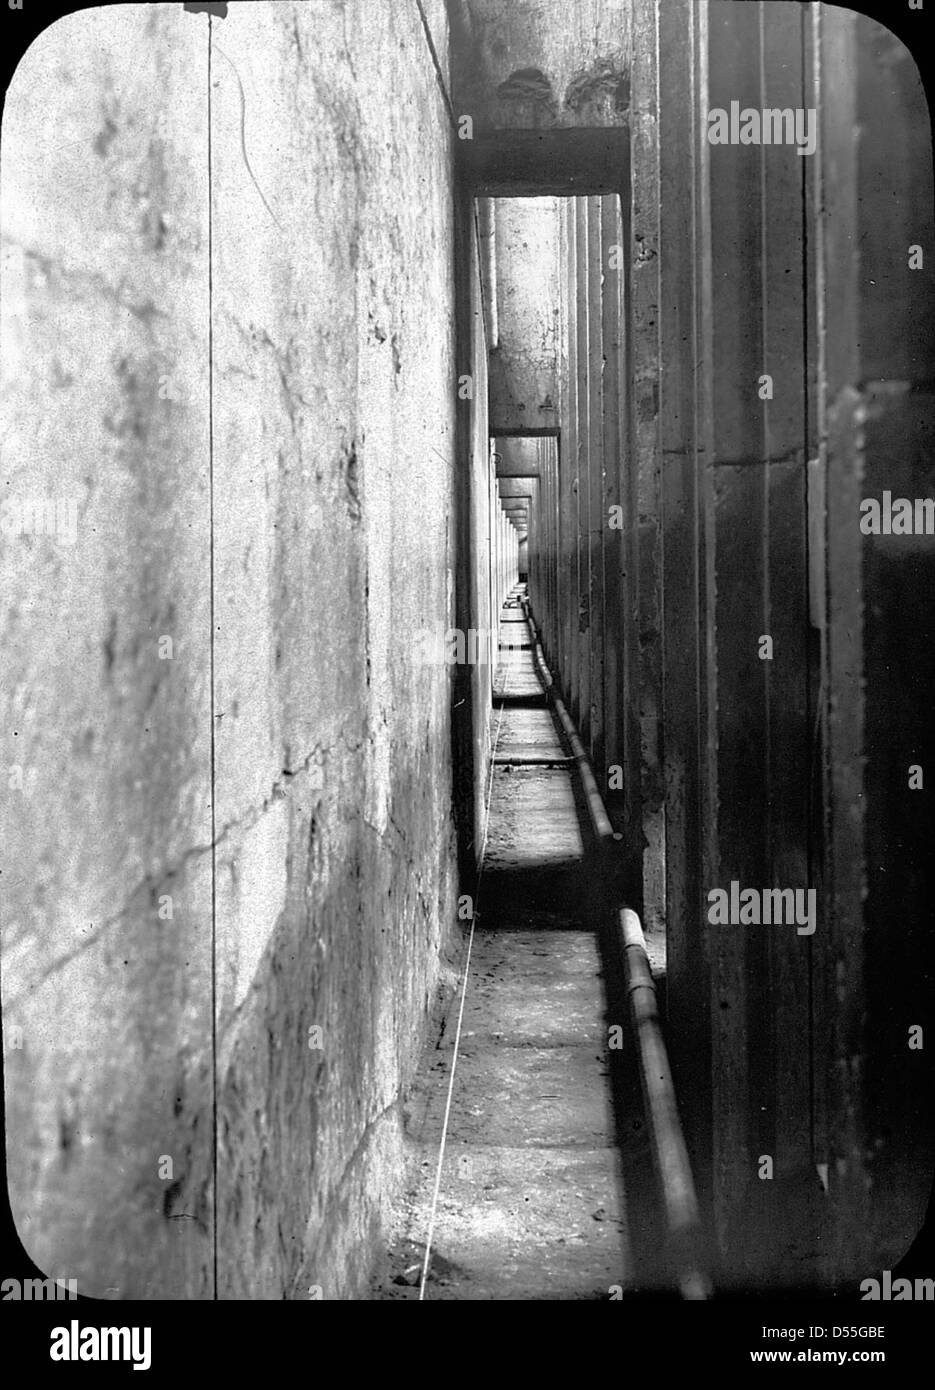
(530, 1203)
(467, 519)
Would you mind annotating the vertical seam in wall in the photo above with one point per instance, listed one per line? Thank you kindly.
(767, 445)
(812, 697)
(214, 1064)
(765, 966)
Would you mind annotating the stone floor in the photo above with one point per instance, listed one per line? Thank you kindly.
(540, 1137)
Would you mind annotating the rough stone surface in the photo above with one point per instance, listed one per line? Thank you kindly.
(308, 155)
(524, 368)
(105, 300)
(541, 63)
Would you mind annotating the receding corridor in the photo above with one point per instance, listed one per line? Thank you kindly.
(530, 1205)
(468, 557)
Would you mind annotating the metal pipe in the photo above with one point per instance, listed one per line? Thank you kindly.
(487, 227)
(599, 818)
(673, 1167)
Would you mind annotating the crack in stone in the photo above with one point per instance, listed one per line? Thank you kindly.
(150, 885)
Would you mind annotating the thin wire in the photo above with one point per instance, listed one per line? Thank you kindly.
(467, 971)
(213, 690)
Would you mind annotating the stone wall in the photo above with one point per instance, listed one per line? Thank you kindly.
(525, 380)
(228, 869)
(536, 64)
